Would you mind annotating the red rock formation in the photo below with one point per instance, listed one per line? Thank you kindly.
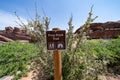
(17, 30)
(14, 34)
(103, 30)
(5, 39)
(8, 30)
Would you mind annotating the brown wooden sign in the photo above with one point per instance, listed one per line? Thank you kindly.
(56, 39)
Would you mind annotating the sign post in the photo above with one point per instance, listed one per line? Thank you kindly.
(57, 65)
(56, 42)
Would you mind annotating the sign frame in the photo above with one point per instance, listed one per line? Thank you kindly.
(56, 42)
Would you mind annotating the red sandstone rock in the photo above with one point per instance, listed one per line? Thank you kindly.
(14, 34)
(5, 39)
(17, 30)
(103, 30)
(8, 30)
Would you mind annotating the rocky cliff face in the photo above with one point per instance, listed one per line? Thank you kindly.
(105, 30)
(13, 34)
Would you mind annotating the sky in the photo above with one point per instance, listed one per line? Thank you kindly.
(59, 11)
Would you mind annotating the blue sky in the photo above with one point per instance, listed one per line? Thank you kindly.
(59, 11)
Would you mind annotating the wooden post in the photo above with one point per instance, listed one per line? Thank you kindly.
(57, 63)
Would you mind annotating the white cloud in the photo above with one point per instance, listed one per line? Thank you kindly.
(9, 19)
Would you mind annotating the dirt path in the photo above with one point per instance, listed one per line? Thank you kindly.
(113, 77)
(29, 76)
(109, 77)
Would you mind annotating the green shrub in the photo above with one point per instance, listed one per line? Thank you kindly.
(114, 47)
(16, 57)
(101, 50)
(108, 52)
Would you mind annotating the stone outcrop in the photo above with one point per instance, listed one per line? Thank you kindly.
(8, 30)
(15, 33)
(5, 39)
(17, 30)
(105, 30)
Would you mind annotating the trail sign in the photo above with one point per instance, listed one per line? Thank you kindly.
(56, 39)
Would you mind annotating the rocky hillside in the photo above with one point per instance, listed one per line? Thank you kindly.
(105, 30)
(11, 34)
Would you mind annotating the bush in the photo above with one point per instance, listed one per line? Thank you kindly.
(108, 52)
(101, 50)
(114, 47)
(16, 57)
